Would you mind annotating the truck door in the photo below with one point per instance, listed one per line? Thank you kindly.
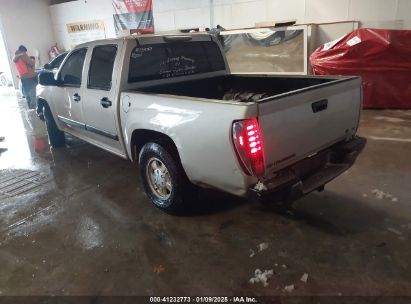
(69, 93)
(100, 100)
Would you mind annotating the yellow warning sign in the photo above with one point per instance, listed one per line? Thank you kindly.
(85, 31)
(86, 26)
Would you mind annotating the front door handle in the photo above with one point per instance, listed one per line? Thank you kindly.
(105, 102)
(76, 97)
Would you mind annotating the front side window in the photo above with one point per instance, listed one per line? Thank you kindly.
(170, 60)
(71, 73)
(101, 67)
(55, 64)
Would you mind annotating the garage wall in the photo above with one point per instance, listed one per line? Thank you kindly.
(372, 13)
(27, 22)
(168, 15)
(77, 11)
(174, 14)
(178, 14)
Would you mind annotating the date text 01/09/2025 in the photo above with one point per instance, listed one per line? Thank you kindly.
(203, 300)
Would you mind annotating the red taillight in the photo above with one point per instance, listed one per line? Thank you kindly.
(249, 145)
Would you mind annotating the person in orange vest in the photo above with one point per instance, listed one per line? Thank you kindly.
(25, 71)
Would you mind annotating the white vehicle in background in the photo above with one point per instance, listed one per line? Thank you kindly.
(5, 80)
(171, 104)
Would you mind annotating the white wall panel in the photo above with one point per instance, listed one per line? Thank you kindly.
(165, 21)
(184, 4)
(161, 6)
(27, 22)
(327, 10)
(285, 10)
(404, 13)
(177, 14)
(248, 13)
(373, 11)
(76, 11)
(220, 2)
(199, 17)
(223, 16)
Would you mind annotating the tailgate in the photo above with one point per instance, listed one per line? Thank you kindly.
(299, 124)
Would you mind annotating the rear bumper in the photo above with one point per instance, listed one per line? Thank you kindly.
(311, 173)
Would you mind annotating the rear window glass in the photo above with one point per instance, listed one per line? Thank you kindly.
(169, 60)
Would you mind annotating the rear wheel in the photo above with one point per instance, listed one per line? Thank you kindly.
(163, 178)
(56, 137)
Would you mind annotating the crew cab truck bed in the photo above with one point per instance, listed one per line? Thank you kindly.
(171, 104)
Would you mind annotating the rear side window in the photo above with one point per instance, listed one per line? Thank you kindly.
(176, 59)
(101, 67)
(71, 73)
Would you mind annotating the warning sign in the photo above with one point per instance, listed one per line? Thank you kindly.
(81, 32)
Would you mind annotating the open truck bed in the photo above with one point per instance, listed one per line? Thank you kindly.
(244, 88)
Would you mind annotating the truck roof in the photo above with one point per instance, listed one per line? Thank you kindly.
(152, 38)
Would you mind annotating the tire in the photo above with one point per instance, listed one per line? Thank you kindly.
(160, 168)
(56, 137)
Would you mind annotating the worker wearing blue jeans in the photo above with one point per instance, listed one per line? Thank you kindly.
(29, 90)
(25, 70)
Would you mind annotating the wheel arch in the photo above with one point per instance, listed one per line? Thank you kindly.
(140, 137)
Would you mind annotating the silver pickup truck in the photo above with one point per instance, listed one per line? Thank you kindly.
(170, 103)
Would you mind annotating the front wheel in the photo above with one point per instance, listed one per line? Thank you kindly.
(163, 178)
(56, 137)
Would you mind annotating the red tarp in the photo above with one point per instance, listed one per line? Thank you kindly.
(381, 57)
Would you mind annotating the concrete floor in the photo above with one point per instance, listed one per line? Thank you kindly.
(86, 228)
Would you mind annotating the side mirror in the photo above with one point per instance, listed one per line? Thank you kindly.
(47, 66)
(47, 79)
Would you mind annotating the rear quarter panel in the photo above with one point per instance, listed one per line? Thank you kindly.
(201, 130)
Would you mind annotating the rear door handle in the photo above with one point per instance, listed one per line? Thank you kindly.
(76, 97)
(105, 102)
(320, 106)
